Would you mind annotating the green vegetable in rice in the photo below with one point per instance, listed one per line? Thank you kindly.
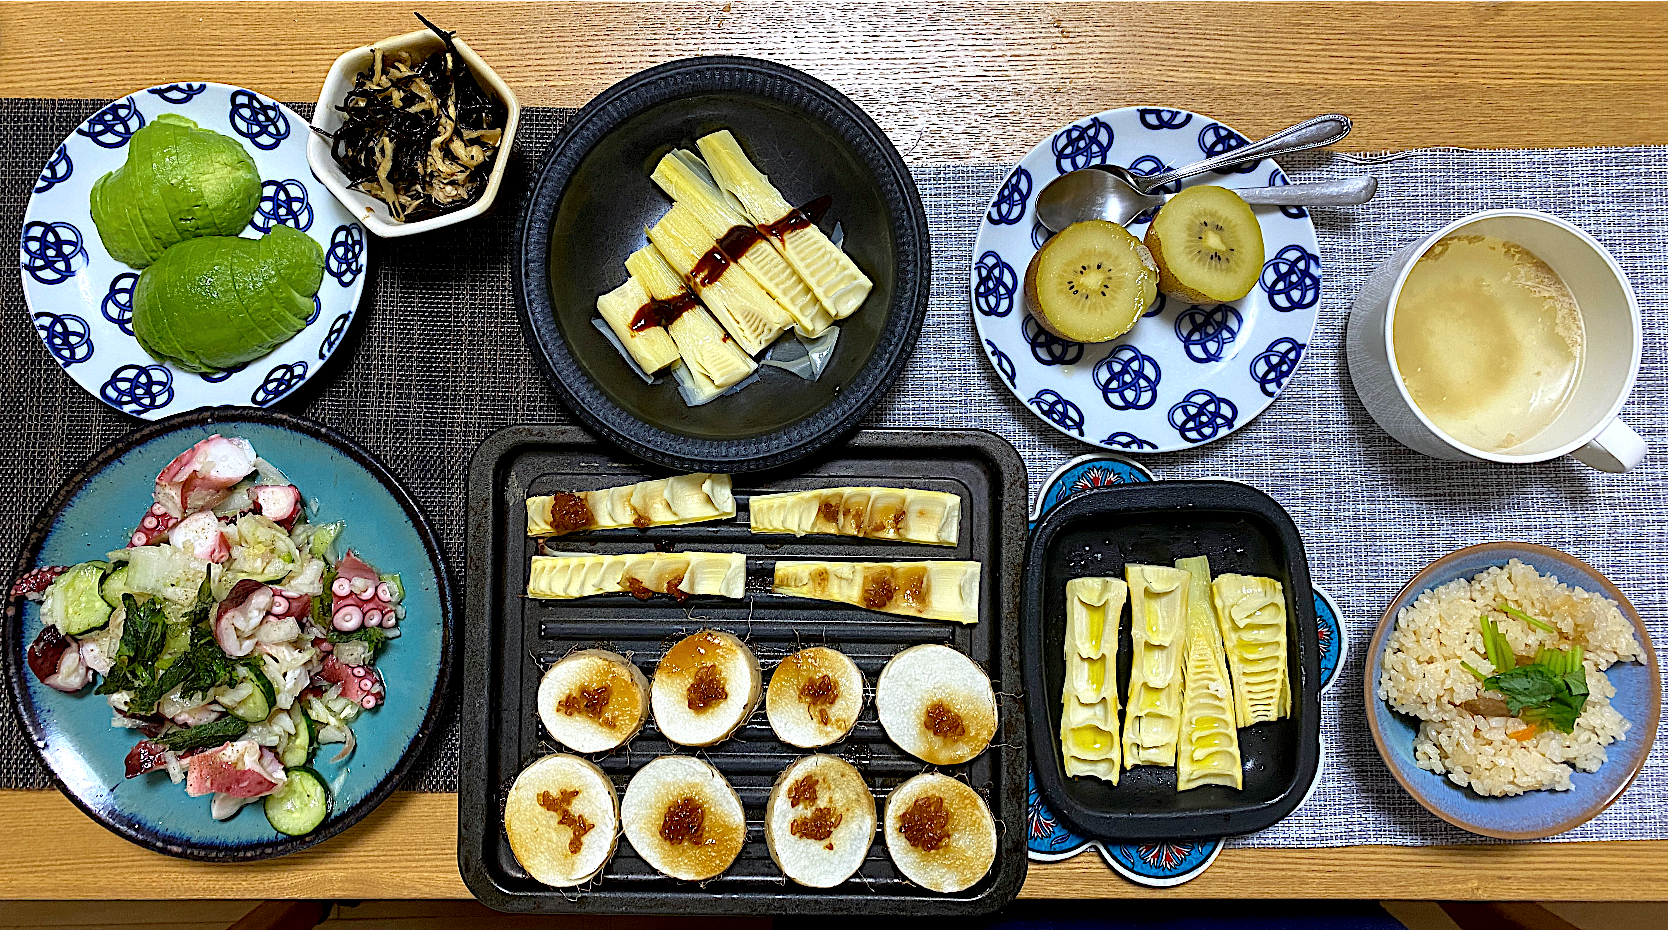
(1550, 691)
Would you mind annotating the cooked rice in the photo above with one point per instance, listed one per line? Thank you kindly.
(1423, 677)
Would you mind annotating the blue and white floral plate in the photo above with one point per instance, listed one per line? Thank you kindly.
(1158, 864)
(95, 511)
(1184, 375)
(81, 300)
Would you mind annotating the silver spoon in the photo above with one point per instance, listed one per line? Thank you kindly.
(1061, 203)
(1111, 199)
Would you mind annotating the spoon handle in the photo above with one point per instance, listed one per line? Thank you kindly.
(1309, 134)
(1341, 193)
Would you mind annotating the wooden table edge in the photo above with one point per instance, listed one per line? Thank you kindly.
(407, 848)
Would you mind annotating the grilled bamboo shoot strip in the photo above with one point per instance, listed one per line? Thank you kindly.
(691, 498)
(840, 286)
(932, 517)
(685, 179)
(1208, 753)
(1158, 626)
(679, 574)
(936, 590)
(651, 347)
(1089, 700)
(752, 317)
(710, 355)
(1251, 612)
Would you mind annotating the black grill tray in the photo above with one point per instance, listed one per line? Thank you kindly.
(509, 640)
(1242, 530)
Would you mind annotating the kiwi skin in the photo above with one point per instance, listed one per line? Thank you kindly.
(1171, 286)
(1033, 297)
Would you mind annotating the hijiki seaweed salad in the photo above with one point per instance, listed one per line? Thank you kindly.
(227, 632)
(419, 136)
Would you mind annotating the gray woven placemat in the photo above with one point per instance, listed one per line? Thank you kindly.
(439, 362)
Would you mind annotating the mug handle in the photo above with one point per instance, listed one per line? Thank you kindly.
(1617, 448)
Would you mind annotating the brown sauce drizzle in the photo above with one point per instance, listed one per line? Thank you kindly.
(802, 218)
(738, 240)
(661, 312)
(912, 586)
(566, 817)
(707, 688)
(710, 268)
(926, 825)
(829, 511)
(589, 701)
(943, 722)
(684, 822)
(818, 825)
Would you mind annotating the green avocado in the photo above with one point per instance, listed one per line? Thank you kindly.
(179, 182)
(218, 301)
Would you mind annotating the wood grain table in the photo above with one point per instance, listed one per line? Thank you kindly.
(950, 82)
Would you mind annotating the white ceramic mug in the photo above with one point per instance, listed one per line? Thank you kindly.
(1588, 428)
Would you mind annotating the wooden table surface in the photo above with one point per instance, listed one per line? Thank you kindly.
(950, 83)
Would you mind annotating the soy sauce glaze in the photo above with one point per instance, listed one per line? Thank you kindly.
(710, 268)
(734, 244)
(802, 218)
(661, 312)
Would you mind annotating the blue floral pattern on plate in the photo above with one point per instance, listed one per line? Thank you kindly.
(1243, 354)
(1161, 863)
(81, 300)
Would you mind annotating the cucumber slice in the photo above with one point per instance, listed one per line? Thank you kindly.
(323, 537)
(73, 602)
(115, 585)
(305, 741)
(301, 805)
(258, 705)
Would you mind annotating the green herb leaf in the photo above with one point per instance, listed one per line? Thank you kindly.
(203, 735)
(371, 636)
(1511, 611)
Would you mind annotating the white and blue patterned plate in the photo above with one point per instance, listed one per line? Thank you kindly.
(81, 300)
(1158, 863)
(1184, 375)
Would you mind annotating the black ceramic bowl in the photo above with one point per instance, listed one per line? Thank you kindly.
(592, 198)
(1241, 530)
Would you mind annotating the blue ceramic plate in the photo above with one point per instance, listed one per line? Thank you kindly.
(81, 300)
(95, 511)
(1535, 814)
(1184, 375)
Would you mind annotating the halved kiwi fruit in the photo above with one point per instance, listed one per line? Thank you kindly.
(1091, 282)
(1208, 245)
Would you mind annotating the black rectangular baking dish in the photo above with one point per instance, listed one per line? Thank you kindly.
(1241, 530)
(509, 640)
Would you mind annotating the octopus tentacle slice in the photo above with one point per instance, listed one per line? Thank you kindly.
(907, 514)
(361, 684)
(359, 597)
(202, 476)
(935, 590)
(692, 498)
(679, 574)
